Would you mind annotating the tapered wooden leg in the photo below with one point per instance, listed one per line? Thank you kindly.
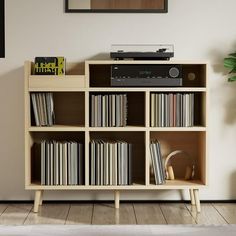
(192, 197)
(37, 200)
(117, 216)
(41, 198)
(197, 199)
(117, 199)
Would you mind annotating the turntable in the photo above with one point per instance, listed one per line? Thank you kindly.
(142, 52)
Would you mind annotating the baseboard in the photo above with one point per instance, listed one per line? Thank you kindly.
(110, 201)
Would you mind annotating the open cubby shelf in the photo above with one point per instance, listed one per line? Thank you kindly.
(73, 111)
(194, 75)
(69, 109)
(199, 109)
(137, 139)
(189, 142)
(135, 107)
(37, 137)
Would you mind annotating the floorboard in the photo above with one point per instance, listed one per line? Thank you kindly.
(106, 214)
(3, 207)
(227, 211)
(15, 214)
(208, 216)
(149, 214)
(177, 214)
(80, 214)
(49, 214)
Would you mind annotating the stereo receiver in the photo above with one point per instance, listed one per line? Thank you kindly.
(142, 75)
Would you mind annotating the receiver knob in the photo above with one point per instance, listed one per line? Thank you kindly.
(174, 72)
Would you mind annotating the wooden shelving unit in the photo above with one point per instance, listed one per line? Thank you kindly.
(72, 94)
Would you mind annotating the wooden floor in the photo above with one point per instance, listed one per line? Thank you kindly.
(138, 213)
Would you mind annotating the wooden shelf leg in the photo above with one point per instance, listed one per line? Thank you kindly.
(197, 200)
(41, 198)
(117, 199)
(192, 197)
(37, 198)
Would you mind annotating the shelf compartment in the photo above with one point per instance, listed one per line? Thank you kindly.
(33, 161)
(69, 109)
(137, 139)
(194, 75)
(192, 143)
(100, 75)
(199, 119)
(56, 83)
(135, 107)
(74, 79)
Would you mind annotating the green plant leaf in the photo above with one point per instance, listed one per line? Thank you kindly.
(233, 70)
(231, 79)
(230, 62)
(232, 54)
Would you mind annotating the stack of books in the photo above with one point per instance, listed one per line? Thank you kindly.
(109, 110)
(157, 163)
(110, 163)
(62, 163)
(172, 110)
(43, 108)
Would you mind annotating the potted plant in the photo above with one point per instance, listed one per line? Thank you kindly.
(230, 63)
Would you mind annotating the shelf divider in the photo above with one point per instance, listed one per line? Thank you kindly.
(147, 158)
(86, 156)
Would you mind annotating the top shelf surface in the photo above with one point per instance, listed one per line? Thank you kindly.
(179, 62)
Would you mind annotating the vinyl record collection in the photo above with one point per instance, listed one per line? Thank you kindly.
(62, 163)
(157, 163)
(110, 163)
(172, 110)
(43, 108)
(49, 66)
(109, 110)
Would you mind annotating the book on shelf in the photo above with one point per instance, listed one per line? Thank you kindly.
(109, 110)
(49, 66)
(43, 109)
(172, 110)
(157, 163)
(61, 163)
(110, 163)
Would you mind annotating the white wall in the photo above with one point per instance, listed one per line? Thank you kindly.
(203, 30)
